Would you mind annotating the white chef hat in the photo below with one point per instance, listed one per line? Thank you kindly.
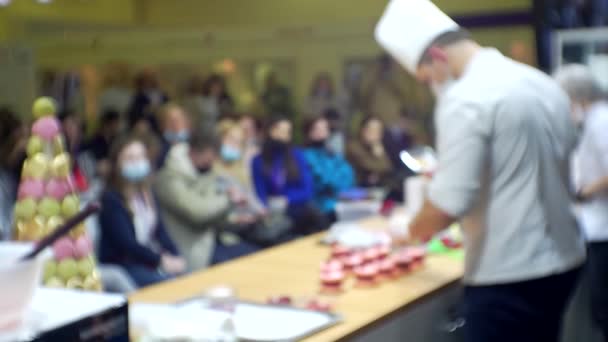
(407, 27)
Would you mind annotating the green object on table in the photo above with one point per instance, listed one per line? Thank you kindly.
(435, 246)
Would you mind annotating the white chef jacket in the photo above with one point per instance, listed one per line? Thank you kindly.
(504, 137)
(590, 165)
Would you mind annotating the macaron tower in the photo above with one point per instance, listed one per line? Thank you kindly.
(46, 199)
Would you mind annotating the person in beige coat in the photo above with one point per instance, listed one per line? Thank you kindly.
(193, 199)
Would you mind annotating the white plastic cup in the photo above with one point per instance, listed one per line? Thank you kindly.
(20, 279)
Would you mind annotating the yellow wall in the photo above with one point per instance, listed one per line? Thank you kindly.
(90, 11)
(3, 27)
(266, 13)
(308, 55)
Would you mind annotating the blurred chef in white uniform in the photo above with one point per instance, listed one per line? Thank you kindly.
(504, 136)
(590, 174)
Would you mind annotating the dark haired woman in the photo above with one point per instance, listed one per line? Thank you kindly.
(367, 155)
(281, 172)
(132, 232)
(332, 174)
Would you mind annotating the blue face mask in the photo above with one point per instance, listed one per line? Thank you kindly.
(177, 137)
(230, 154)
(136, 171)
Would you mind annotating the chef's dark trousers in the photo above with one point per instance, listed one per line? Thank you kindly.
(597, 268)
(529, 311)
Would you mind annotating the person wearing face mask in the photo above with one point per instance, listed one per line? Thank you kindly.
(331, 173)
(133, 234)
(367, 155)
(590, 178)
(504, 137)
(175, 128)
(84, 168)
(280, 171)
(250, 218)
(196, 203)
(231, 159)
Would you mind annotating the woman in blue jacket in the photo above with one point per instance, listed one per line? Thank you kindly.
(332, 174)
(281, 171)
(132, 232)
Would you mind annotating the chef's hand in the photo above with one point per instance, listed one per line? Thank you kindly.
(419, 234)
(400, 240)
(172, 264)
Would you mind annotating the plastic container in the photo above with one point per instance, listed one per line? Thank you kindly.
(353, 211)
(20, 280)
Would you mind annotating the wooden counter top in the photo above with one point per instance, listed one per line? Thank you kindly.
(293, 269)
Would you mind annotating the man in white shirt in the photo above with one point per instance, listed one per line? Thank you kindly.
(504, 137)
(590, 170)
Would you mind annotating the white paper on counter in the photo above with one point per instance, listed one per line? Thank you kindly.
(172, 322)
(193, 321)
(265, 323)
(54, 308)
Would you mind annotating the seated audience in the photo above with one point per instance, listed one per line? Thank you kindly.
(322, 95)
(196, 203)
(280, 172)
(175, 127)
(231, 161)
(116, 93)
(115, 279)
(264, 228)
(367, 155)
(12, 155)
(89, 187)
(84, 168)
(99, 145)
(331, 172)
(133, 235)
(399, 137)
(277, 97)
(147, 99)
(335, 141)
(253, 141)
(216, 101)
